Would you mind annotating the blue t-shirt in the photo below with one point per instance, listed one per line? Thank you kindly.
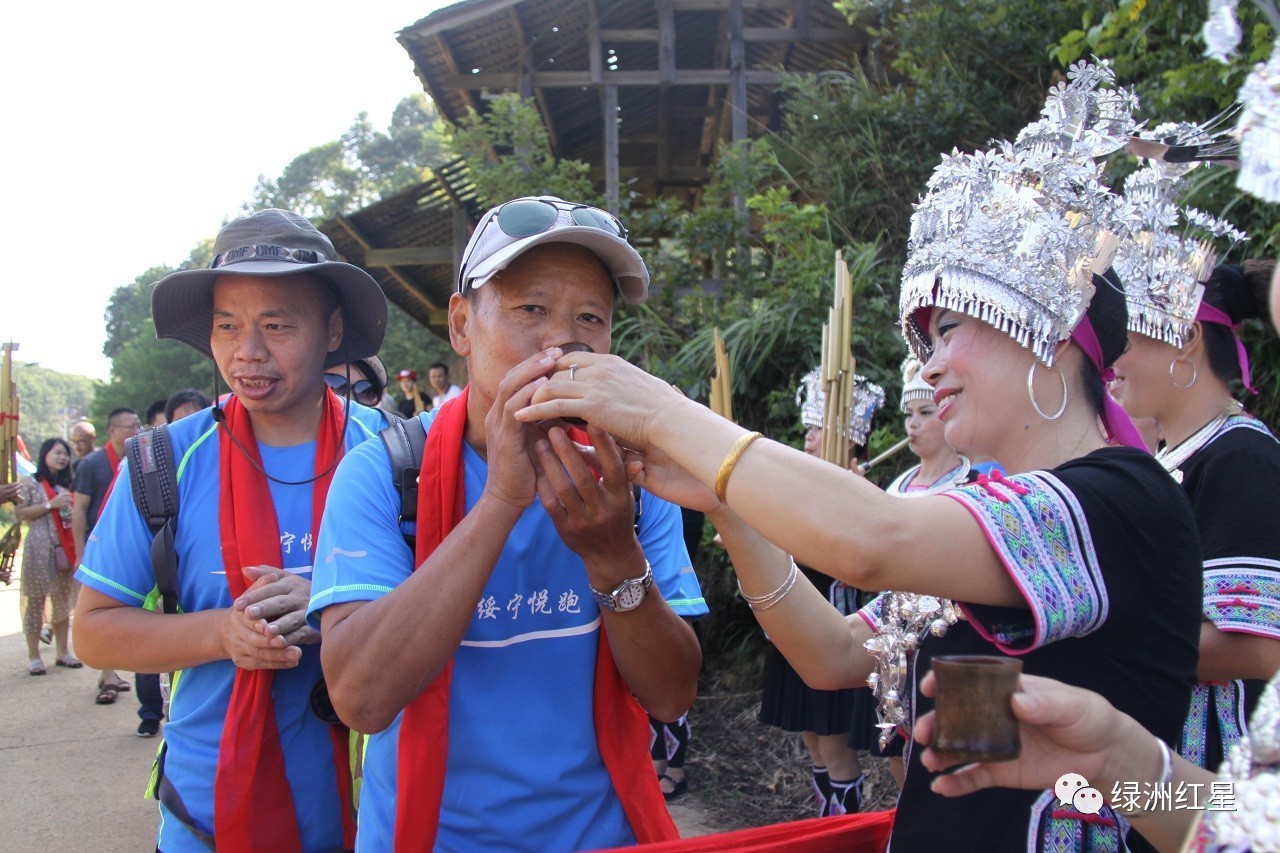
(117, 562)
(523, 771)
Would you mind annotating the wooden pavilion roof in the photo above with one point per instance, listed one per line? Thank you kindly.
(674, 64)
(407, 242)
(644, 91)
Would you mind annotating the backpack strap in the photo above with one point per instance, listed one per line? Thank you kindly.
(153, 479)
(404, 441)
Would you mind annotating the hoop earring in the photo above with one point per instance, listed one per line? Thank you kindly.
(1195, 374)
(1031, 392)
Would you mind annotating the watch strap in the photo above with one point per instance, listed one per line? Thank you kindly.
(610, 600)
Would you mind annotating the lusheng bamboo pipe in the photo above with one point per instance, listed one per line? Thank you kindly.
(8, 414)
(880, 457)
(721, 380)
(838, 367)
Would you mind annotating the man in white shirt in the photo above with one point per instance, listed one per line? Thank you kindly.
(442, 389)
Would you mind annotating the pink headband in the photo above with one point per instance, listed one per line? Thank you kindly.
(1208, 314)
(1119, 426)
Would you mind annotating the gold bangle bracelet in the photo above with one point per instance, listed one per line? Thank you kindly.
(731, 461)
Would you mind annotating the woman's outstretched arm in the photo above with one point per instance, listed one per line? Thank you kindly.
(826, 517)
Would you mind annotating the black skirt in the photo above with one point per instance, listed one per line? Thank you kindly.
(791, 705)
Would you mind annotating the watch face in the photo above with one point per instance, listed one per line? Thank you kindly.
(630, 596)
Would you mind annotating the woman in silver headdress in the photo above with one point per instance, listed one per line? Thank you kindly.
(823, 717)
(1183, 356)
(940, 467)
(1083, 561)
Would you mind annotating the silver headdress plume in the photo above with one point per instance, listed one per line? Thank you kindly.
(867, 398)
(1221, 30)
(1259, 130)
(1259, 127)
(913, 385)
(1173, 250)
(1014, 235)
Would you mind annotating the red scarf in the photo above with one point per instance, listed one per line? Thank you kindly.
(114, 459)
(253, 806)
(423, 751)
(63, 527)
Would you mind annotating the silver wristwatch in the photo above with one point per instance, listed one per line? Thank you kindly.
(627, 595)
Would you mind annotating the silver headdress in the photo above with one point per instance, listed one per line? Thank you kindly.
(913, 385)
(1259, 127)
(1013, 235)
(1173, 250)
(867, 397)
(1259, 130)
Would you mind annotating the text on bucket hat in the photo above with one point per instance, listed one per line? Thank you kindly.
(272, 243)
(510, 229)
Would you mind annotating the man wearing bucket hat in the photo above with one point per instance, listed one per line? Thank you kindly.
(247, 765)
(496, 661)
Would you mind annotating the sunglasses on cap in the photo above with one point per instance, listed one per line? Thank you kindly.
(361, 389)
(525, 217)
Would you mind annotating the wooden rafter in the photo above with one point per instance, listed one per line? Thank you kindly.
(452, 64)
(408, 256)
(578, 79)
(404, 282)
(527, 68)
(711, 124)
(723, 5)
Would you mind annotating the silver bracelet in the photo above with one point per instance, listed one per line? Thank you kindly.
(759, 603)
(1166, 777)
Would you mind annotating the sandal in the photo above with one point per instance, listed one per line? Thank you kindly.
(107, 694)
(36, 667)
(69, 661)
(677, 788)
(46, 634)
(123, 686)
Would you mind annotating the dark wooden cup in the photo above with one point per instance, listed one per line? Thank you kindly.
(975, 720)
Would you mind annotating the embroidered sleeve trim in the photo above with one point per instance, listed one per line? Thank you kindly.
(1038, 530)
(1242, 594)
(872, 614)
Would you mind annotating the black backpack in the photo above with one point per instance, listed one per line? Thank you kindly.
(154, 482)
(404, 440)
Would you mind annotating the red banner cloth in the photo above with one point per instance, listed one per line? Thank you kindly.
(853, 833)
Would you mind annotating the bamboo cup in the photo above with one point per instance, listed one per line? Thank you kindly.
(975, 720)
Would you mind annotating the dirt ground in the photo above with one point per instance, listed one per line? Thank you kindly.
(746, 774)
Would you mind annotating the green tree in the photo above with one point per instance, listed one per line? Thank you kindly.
(408, 345)
(144, 369)
(360, 166)
(49, 401)
(508, 154)
(1157, 49)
